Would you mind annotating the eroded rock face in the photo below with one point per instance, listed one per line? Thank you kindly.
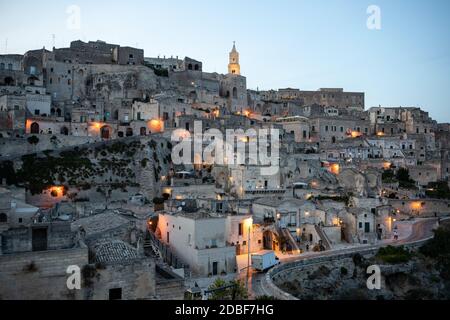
(115, 169)
(346, 279)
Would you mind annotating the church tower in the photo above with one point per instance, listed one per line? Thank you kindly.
(233, 66)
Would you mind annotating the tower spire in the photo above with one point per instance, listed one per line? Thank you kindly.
(233, 66)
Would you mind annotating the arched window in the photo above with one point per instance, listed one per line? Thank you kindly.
(58, 112)
(190, 66)
(3, 218)
(120, 134)
(52, 111)
(235, 93)
(197, 67)
(34, 129)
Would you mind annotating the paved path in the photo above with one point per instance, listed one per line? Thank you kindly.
(420, 230)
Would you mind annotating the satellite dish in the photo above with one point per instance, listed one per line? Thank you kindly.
(180, 209)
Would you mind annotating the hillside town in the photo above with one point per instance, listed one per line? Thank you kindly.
(89, 137)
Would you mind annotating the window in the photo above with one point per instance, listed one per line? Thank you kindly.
(2, 66)
(241, 229)
(3, 218)
(360, 225)
(37, 112)
(10, 67)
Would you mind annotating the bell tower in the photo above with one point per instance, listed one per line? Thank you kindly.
(233, 66)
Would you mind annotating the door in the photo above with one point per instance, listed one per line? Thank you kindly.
(115, 294)
(367, 227)
(215, 267)
(39, 239)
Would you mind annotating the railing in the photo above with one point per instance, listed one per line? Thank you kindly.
(326, 241)
(166, 253)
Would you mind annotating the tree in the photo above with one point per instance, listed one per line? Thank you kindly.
(33, 140)
(438, 190)
(404, 179)
(233, 290)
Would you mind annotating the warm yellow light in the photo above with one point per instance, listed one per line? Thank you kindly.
(335, 169)
(387, 165)
(380, 134)
(57, 191)
(356, 134)
(248, 223)
(97, 125)
(416, 205)
(156, 125)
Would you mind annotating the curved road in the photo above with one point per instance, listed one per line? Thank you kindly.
(421, 230)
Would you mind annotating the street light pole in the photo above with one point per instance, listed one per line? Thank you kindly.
(248, 256)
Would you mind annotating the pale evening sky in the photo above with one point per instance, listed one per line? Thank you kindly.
(305, 44)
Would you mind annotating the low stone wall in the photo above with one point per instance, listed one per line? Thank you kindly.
(40, 275)
(278, 271)
(15, 147)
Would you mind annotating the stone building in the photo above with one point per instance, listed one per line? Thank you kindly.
(199, 240)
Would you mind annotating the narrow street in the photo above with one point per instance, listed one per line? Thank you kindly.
(420, 230)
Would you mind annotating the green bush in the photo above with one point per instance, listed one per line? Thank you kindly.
(394, 255)
(33, 140)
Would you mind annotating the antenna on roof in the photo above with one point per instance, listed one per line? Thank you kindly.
(53, 40)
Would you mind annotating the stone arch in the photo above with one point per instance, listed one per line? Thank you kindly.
(64, 131)
(143, 131)
(129, 132)
(58, 112)
(9, 81)
(197, 67)
(190, 66)
(235, 93)
(52, 111)
(31, 80)
(120, 134)
(3, 218)
(34, 128)
(105, 132)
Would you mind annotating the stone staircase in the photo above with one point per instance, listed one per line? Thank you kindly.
(325, 241)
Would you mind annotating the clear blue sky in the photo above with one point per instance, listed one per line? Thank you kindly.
(304, 44)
